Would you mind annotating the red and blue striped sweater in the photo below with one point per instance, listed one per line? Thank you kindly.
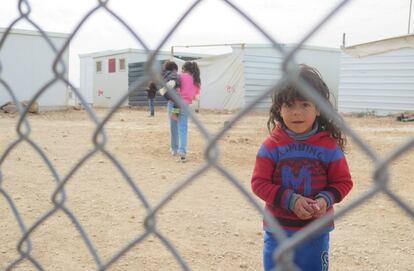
(314, 167)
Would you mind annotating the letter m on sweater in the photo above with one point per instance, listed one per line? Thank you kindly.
(304, 176)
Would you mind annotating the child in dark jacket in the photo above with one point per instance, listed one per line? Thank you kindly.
(151, 93)
(172, 80)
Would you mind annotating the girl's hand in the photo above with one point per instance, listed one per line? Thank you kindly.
(319, 208)
(303, 207)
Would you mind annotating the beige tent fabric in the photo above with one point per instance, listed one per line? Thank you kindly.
(379, 47)
(222, 81)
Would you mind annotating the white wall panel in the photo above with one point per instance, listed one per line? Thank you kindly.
(383, 84)
(262, 66)
(27, 61)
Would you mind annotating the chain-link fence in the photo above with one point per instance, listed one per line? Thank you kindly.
(283, 255)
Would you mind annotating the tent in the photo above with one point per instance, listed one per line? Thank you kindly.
(222, 81)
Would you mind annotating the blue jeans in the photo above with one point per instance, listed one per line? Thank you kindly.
(178, 130)
(151, 105)
(313, 255)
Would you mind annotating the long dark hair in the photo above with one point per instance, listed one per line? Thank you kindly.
(191, 67)
(290, 92)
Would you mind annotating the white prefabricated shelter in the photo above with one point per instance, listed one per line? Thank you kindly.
(378, 76)
(26, 60)
(235, 80)
(104, 75)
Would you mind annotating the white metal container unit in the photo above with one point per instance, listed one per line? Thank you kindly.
(378, 77)
(104, 75)
(262, 68)
(26, 59)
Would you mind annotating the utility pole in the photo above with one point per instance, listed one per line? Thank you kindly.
(409, 16)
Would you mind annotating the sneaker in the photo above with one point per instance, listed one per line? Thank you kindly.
(173, 153)
(182, 158)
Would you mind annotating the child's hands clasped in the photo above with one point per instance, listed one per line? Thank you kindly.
(319, 207)
(306, 208)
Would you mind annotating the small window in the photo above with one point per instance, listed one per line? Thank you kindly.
(111, 65)
(98, 66)
(122, 64)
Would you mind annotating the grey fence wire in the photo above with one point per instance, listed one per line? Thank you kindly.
(284, 255)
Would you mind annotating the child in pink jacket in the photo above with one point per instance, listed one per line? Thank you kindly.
(189, 88)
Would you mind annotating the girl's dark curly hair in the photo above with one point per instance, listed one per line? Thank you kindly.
(290, 92)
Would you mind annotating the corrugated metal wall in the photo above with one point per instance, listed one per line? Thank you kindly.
(382, 84)
(261, 71)
(262, 68)
(139, 97)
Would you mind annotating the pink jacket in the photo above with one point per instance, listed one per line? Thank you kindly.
(187, 89)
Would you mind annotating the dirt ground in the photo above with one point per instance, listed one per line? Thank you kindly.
(210, 223)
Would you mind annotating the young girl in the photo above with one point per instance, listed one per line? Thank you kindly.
(300, 170)
(189, 88)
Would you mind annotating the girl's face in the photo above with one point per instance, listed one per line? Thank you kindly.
(299, 115)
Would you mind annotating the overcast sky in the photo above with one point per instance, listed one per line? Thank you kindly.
(212, 22)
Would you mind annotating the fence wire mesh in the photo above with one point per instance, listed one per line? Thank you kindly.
(211, 154)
